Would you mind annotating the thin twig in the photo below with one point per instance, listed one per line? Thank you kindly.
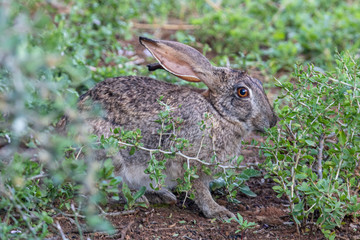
(72, 215)
(277, 147)
(201, 144)
(77, 221)
(320, 113)
(215, 6)
(292, 95)
(344, 83)
(320, 155)
(314, 204)
(42, 175)
(338, 171)
(105, 214)
(189, 179)
(78, 154)
(161, 133)
(293, 186)
(182, 155)
(23, 215)
(112, 214)
(61, 231)
(293, 173)
(123, 232)
(259, 147)
(291, 203)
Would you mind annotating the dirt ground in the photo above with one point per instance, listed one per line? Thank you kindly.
(175, 222)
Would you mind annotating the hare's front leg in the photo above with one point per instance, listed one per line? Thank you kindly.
(207, 204)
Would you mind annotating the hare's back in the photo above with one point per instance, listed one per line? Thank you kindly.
(133, 100)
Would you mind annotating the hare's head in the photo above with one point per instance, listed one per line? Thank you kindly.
(236, 96)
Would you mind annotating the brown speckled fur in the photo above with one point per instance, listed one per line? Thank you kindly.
(131, 102)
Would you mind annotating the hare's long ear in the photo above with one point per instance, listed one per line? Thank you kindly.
(181, 60)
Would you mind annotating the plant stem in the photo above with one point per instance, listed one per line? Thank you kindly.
(320, 156)
(182, 155)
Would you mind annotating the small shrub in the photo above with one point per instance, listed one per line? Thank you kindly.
(316, 149)
(243, 224)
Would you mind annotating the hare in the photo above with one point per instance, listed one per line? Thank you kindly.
(235, 102)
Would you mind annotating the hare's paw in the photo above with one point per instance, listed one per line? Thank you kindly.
(218, 212)
(161, 196)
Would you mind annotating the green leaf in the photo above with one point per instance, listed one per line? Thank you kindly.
(310, 142)
(126, 191)
(47, 218)
(100, 224)
(304, 187)
(206, 170)
(342, 138)
(277, 189)
(132, 151)
(301, 176)
(217, 184)
(330, 164)
(251, 172)
(240, 218)
(139, 193)
(246, 190)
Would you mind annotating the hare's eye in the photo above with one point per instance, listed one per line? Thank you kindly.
(242, 92)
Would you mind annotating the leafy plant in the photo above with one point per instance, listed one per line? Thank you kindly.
(43, 174)
(131, 199)
(316, 148)
(234, 181)
(243, 224)
(281, 33)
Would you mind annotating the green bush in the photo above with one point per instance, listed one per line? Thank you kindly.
(38, 85)
(314, 153)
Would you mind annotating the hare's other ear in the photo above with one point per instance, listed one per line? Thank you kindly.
(181, 60)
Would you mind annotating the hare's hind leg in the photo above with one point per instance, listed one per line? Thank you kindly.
(134, 176)
(161, 196)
